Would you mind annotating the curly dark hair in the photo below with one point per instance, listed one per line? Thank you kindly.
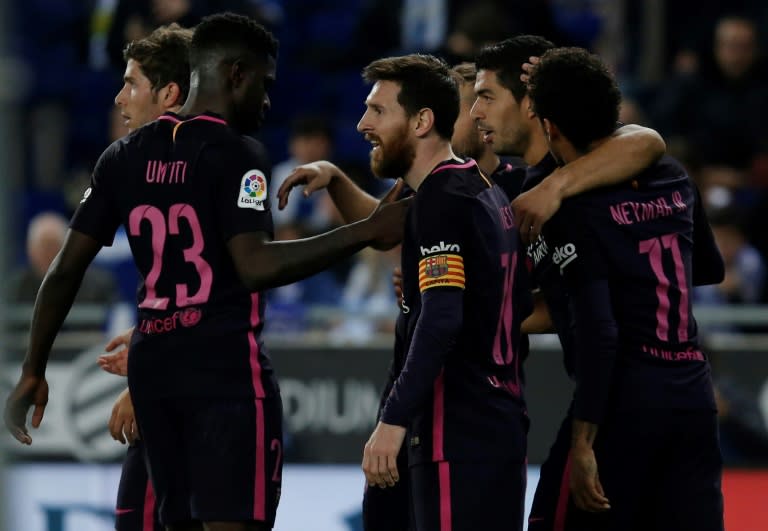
(164, 57)
(425, 82)
(574, 90)
(232, 36)
(506, 59)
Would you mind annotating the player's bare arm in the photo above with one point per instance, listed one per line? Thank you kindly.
(55, 298)
(628, 151)
(353, 203)
(539, 322)
(262, 263)
(587, 492)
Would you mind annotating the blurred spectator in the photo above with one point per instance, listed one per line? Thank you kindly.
(718, 112)
(368, 302)
(743, 432)
(134, 19)
(368, 293)
(45, 236)
(311, 139)
(403, 26)
(288, 306)
(745, 268)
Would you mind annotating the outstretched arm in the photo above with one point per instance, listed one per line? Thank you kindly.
(353, 203)
(54, 299)
(628, 151)
(263, 264)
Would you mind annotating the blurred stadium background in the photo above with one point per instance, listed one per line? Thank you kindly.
(693, 69)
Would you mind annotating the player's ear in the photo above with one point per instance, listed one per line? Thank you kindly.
(170, 95)
(527, 104)
(550, 130)
(237, 73)
(424, 121)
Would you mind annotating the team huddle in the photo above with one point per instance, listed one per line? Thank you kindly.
(523, 206)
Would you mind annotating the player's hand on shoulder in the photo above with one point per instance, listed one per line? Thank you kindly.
(313, 176)
(586, 490)
(122, 422)
(388, 220)
(380, 455)
(117, 362)
(31, 390)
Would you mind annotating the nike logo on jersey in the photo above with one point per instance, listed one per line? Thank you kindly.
(118, 512)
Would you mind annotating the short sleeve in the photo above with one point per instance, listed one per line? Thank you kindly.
(98, 214)
(441, 222)
(242, 200)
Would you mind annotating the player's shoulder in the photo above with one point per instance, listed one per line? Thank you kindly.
(453, 179)
(510, 176)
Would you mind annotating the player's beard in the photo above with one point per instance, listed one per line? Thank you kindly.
(394, 158)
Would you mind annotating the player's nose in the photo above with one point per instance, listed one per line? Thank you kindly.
(119, 97)
(475, 112)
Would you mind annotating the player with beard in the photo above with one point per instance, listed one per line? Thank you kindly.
(191, 191)
(387, 509)
(465, 293)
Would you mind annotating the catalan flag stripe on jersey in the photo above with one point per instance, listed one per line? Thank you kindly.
(441, 270)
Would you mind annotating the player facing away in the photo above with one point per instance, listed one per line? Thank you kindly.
(156, 80)
(644, 450)
(191, 192)
(502, 111)
(459, 395)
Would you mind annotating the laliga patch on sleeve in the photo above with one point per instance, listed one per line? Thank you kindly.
(253, 190)
(86, 194)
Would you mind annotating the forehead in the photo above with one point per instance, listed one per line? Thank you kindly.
(384, 93)
(488, 80)
(134, 70)
(467, 90)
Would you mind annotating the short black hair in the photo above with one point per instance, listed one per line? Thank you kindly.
(425, 82)
(230, 34)
(506, 59)
(574, 90)
(164, 57)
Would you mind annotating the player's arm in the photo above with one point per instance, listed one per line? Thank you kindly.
(435, 333)
(540, 321)
(628, 151)
(54, 300)
(353, 202)
(594, 343)
(707, 262)
(595, 337)
(262, 263)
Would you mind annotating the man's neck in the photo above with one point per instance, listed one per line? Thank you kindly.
(537, 147)
(428, 155)
(488, 161)
(203, 97)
